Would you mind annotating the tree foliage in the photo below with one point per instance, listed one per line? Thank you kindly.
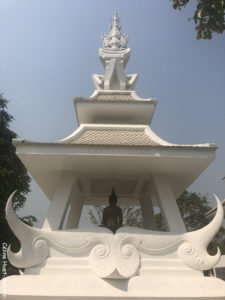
(208, 16)
(193, 208)
(13, 176)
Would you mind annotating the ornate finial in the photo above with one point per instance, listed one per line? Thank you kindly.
(114, 57)
(115, 40)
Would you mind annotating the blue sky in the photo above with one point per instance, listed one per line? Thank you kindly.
(50, 50)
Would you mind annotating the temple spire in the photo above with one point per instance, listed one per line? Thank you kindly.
(114, 56)
(115, 40)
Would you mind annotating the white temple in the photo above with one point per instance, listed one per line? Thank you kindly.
(113, 146)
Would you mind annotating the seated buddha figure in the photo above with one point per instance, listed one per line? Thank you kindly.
(112, 214)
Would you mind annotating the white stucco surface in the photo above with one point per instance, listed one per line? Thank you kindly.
(113, 147)
(78, 287)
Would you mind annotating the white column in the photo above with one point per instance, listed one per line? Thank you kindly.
(75, 209)
(168, 204)
(60, 202)
(147, 208)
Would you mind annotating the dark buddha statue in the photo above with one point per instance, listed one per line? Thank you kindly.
(112, 214)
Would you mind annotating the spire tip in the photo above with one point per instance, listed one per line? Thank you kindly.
(115, 40)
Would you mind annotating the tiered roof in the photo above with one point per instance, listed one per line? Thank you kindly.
(114, 136)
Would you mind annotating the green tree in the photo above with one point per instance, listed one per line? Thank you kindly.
(13, 176)
(208, 16)
(193, 208)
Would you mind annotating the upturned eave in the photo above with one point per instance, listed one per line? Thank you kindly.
(46, 162)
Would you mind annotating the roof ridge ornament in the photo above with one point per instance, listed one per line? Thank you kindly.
(114, 56)
(115, 40)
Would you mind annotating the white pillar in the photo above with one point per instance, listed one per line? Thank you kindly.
(147, 208)
(75, 209)
(60, 202)
(168, 204)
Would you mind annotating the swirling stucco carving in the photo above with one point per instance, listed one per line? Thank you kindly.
(35, 243)
(33, 251)
(102, 260)
(193, 251)
(127, 260)
(113, 256)
(120, 260)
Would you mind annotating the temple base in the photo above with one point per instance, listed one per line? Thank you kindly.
(80, 287)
